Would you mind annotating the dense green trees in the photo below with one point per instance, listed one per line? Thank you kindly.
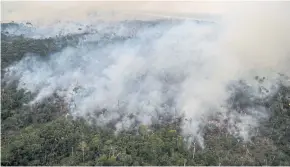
(42, 135)
(63, 141)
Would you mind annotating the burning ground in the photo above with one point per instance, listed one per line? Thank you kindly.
(162, 92)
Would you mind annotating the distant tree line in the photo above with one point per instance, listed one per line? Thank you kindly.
(42, 135)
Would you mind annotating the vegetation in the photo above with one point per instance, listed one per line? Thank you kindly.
(43, 135)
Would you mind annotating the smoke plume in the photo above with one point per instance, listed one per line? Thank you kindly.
(145, 71)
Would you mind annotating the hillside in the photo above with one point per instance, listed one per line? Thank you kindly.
(45, 132)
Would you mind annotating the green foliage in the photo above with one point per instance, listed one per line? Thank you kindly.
(41, 135)
(61, 141)
(143, 130)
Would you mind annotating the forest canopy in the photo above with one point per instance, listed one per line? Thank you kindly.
(45, 134)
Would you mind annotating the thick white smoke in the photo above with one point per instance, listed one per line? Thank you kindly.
(168, 69)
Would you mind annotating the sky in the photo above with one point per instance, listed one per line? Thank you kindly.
(51, 10)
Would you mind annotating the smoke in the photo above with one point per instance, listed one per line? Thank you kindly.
(169, 68)
(257, 33)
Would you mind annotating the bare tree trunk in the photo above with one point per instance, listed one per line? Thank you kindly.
(113, 151)
(193, 150)
(45, 157)
(83, 149)
(83, 154)
(72, 153)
